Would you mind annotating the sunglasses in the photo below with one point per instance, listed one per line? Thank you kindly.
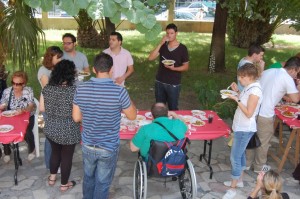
(67, 43)
(17, 84)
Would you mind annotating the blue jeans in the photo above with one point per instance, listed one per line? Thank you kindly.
(167, 93)
(99, 167)
(238, 153)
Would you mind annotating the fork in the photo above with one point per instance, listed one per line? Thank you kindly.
(228, 87)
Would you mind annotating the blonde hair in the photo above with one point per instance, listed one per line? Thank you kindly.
(272, 185)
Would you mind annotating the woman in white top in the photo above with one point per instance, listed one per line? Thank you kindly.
(244, 123)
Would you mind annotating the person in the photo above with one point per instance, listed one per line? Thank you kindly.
(61, 130)
(280, 64)
(122, 59)
(168, 77)
(255, 56)
(200, 14)
(19, 97)
(52, 56)
(98, 104)
(275, 83)
(141, 140)
(244, 123)
(270, 183)
(70, 53)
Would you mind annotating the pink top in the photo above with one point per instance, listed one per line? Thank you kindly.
(209, 131)
(121, 62)
(20, 123)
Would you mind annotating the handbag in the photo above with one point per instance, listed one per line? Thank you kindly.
(254, 142)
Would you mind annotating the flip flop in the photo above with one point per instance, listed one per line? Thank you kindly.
(64, 188)
(51, 182)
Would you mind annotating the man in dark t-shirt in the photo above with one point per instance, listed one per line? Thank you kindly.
(168, 77)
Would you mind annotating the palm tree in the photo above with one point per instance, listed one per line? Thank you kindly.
(20, 34)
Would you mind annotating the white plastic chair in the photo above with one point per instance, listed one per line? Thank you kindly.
(36, 129)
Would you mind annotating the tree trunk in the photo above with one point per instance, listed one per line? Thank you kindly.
(109, 27)
(217, 48)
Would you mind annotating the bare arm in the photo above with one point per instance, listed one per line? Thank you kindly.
(130, 112)
(86, 69)
(251, 105)
(133, 148)
(44, 80)
(184, 67)
(76, 113)
(154, 53)
(122, 78)
(294, 96)
(42, 104)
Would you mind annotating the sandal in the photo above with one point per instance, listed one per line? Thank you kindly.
(68, 186)
(51, 182)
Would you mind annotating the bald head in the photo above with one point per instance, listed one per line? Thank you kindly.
(159, 110)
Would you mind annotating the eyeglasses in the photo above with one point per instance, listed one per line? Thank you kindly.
(67, 43)
(17, 84)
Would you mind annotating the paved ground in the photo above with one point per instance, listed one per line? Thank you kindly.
(32, 177)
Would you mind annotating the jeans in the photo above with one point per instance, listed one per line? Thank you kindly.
(167, 93)
(238, 153)
(99, 167)
(47, 148)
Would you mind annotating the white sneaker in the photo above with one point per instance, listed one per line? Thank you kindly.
(6, 158)
(230, 194)
(239, 184)
(31, 156)
(265, 168)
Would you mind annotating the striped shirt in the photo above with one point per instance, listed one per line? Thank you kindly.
(101, 102)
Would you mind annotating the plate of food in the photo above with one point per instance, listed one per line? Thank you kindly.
(225, 93)
(198, 112)
(187, 118)
(84, 74)
(288, 114)
(144, 122)
(122, 127)
(168, 62)
(6, 128)
(198, 123)
(140, 117)
(149, 115)
(9, 113)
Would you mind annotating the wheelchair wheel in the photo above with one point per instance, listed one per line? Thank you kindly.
(140, 180)
(187, 182)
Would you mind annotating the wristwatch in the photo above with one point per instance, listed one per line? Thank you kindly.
(238, 101)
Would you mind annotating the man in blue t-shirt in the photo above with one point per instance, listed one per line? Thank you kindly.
(98, 104)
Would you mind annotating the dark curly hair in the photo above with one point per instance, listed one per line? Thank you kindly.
(49, 54)
(63, 74)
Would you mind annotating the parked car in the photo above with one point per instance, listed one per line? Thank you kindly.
(179, 14)
(194, 7)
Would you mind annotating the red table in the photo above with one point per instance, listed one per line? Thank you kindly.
(20, 123)
(283, 151)
(208, 132)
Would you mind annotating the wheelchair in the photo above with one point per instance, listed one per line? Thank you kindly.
(187, 180)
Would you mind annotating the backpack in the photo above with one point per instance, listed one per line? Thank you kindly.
(173, 163)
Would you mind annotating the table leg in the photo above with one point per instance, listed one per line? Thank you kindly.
(203, 156)
(17, 161)
(296, 161)
(287, 149)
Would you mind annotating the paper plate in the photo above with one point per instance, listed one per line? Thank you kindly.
(288, 114)
(140, 117)
(84, 74)
(10, 113)
(198, 123)
(149, 115)
(168, 62)
(6, 128)
(198, 112)
(187, 118)
(144, 122)
(228, 92)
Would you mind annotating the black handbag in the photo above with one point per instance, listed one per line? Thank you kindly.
(254, 142)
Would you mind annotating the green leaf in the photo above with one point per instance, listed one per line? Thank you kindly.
(125, 4)
(138, 5)
(70, 7)
(95, 10)
(33, 3)
(148, 21)
(132, 16)
(116, 19)
(119, 1)
(109, 8)
(141, 28)
(83, 4)
(152, 2)
(153, 33)
(47, 5)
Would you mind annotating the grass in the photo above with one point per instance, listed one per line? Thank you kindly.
(141, 84)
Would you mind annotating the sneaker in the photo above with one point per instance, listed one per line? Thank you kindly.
(239, 184)
(247, 168)
(31, 156)
(230, 194)
(265, 168)
(6, 158)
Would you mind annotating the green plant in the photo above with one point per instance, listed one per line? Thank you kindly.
(226, 108)
(208, 93)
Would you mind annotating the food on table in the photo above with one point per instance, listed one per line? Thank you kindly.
(10, 113)
(6, 128)
(140, 117)
(198, 112)
(149, 115)
(288, 114)
(187, 118)
(122, 127)
(198, 123)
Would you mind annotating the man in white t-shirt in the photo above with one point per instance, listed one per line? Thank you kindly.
(123, 62)
(255, 56)
(275, 83)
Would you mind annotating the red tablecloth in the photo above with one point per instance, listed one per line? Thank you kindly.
(209, 131)
(20, 123)
(291, 122)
